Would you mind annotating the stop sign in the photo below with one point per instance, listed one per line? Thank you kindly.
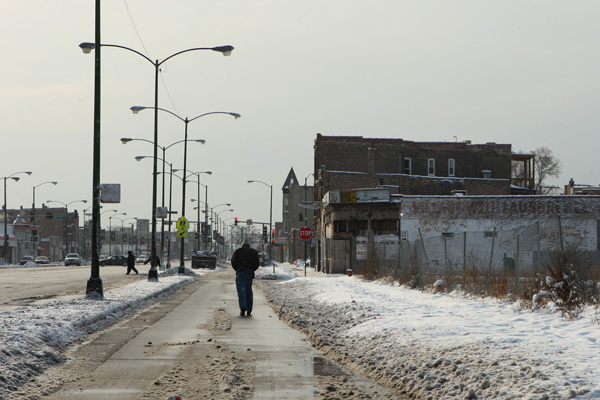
(305, 233)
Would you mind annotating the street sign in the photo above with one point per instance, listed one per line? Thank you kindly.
(305, 233)
(183, 223)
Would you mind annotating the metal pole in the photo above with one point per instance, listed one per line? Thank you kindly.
(153, 273)
(182, 258)
(162, 231)
(170, 222)
(5, 226)
(94, 284)
(271, 228)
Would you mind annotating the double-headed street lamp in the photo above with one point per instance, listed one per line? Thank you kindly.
(140, 158)
(110, 231)
(198, 215)
(122, 229)
(16, 179)
(270, 219)
(137, 109)
(95, 284)
(34, 230)
(164, 149)
(66, 218)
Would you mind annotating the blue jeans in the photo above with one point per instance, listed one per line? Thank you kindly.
(243, 283)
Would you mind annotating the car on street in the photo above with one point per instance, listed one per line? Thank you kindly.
(141, 259)
(72, 259)
(26, 259)
(42, 260)
(114, 260)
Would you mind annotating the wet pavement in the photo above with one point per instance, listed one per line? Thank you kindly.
(287, 366)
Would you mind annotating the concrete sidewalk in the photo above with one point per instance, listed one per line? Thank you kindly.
(284, 358)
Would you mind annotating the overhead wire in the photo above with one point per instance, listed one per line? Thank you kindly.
(164, 83)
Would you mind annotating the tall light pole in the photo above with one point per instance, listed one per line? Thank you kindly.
(270, 219)
(140, 158)
(16, 179)
(35, 232)
(137, 109)
(110, 231)
(66, 218)
(198, 215)
(164, 149)
(218, 228)
(87, 47)
(123, 230)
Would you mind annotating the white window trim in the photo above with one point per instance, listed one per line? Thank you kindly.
(431, 167)
(409, 165)
(451, 167)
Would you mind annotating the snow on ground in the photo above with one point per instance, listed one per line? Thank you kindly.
(34, 338)
(421, 344)
(446, 346)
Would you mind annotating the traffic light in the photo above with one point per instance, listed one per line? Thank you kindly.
(272, 236)
(265, 233)
(236, 220)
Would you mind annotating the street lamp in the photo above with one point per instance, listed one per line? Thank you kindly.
(164, 149)
(16, 179)
(198, 216)
(87, 47)
(66, 218)
(270, 219)
(110, 231)
(140, 158)
(123, 230)
(218, 228)
(137, 109)
(35, 232)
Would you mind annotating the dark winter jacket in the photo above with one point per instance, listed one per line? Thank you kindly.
(246, 257)
(130, 260)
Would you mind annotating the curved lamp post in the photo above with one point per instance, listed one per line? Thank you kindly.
(16, 179)
(270, 219)
(123, 229)
(140, 158)
(137, 109)
(35, 233)
(110, 231)
(218, 228)
(66, 218)
(87, 47)
(164, 149)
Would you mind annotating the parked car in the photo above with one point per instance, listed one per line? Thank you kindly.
(141, 259)
(42, 260)
(26, 259)
(114, 260)
(72, 259)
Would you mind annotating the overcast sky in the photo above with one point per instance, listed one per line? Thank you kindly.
(517, 72)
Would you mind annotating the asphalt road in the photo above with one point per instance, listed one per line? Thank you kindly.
(24, 286)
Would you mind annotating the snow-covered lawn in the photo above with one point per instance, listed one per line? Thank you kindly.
(444, 346)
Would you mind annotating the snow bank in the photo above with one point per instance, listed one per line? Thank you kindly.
(442, 346)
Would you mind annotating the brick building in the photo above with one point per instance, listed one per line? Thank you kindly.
(414, 168)
(296, 214)
(359, 183)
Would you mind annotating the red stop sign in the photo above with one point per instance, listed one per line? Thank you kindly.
(305, 233)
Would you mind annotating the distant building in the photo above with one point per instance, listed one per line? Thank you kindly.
(298, 211)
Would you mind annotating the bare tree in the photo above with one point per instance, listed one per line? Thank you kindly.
(546, 166)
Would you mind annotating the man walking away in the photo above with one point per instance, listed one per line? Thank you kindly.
(131, 263)
(245, 261)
